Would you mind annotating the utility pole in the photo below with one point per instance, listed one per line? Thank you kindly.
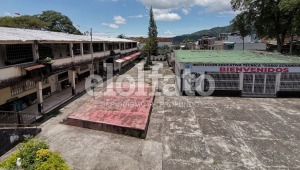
(93, 80)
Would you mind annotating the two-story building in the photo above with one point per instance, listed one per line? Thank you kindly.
(35, 64)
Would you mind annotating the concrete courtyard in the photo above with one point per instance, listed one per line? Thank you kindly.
(187, 133)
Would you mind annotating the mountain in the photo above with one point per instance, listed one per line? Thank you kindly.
(214, 32)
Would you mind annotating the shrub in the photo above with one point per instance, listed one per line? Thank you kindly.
(35, 155)
(10, 162)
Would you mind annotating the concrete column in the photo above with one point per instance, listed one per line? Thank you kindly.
(72, 76)
(98, 68)
(39, 94)
(91, 48)
(104, 47)
(278, 78)
(91, 67)
(35, 51)
(72, 52)
(81, 49)
(241, 81)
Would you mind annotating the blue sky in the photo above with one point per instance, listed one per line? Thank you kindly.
(131, 17)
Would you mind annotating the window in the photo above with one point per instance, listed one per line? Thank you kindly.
(18, 53)
(97, 47)
(45, 51)
(76, 49)
(22, 87)
(86, 48)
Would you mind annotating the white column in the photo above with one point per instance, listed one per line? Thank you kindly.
(277, 86)
(72, 76)
(81, 49)
(71, 51)
(35, 52)
(39, 94)
(241, 80)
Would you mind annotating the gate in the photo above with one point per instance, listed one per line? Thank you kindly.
(257, 84)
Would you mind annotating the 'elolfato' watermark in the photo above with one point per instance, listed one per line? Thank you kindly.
(126, 85)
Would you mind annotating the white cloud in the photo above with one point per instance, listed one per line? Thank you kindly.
(185, 11)
(119, 20)
(165, 15)
(136, 16)
(112, 26)
(208, 5)
(168, 33)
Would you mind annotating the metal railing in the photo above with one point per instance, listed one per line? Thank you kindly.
(9, 119)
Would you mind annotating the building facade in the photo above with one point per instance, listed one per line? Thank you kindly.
(249, 73)
(36, 64)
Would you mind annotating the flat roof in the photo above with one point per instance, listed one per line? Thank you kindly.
(25, 35)
(233, 57)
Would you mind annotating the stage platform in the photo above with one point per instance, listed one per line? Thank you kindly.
(112, 112)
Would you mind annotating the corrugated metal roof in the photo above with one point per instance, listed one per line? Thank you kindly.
(233, 57)
(17, 34)
(34, 67)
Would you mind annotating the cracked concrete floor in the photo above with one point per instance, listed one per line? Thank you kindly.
(188, 133)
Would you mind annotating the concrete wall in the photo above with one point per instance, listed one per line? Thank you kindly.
(10, 72)
(250, 46)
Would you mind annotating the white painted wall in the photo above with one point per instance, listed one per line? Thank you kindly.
(161, 44)
(10, 72)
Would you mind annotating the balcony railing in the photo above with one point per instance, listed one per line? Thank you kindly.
(8, 119)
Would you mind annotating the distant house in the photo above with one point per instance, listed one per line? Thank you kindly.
(234, 41)
(206, 43)
(162, 41)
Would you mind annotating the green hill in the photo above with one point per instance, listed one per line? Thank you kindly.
(197, 35)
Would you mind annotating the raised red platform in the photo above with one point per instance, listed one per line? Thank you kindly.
(113, 112)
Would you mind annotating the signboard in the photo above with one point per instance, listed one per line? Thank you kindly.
(246, 68)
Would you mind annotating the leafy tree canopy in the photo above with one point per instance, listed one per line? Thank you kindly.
(58, 22)
(48, 20)
(271, 18)
(24, 21)
(122, 36)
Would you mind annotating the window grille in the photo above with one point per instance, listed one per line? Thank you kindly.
(290, 81)
(226, 81)
(86, 48)
(45, 50)
(76, 49)
(98, 47)
(22, 87)
(18, 53)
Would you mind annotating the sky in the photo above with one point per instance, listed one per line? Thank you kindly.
(111, 18)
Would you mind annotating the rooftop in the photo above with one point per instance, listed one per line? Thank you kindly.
(25, 35)
(233, 57)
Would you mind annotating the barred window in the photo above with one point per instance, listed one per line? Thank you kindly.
(19, 53)
(22, 87)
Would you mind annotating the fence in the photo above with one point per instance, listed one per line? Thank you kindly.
(8, 119)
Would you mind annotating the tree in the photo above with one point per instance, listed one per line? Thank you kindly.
(122, 36)
(151, 43)
(48, 20)
(292, 6)
(25, 21)
(269, 18)
(58, 22)
(243, 25)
